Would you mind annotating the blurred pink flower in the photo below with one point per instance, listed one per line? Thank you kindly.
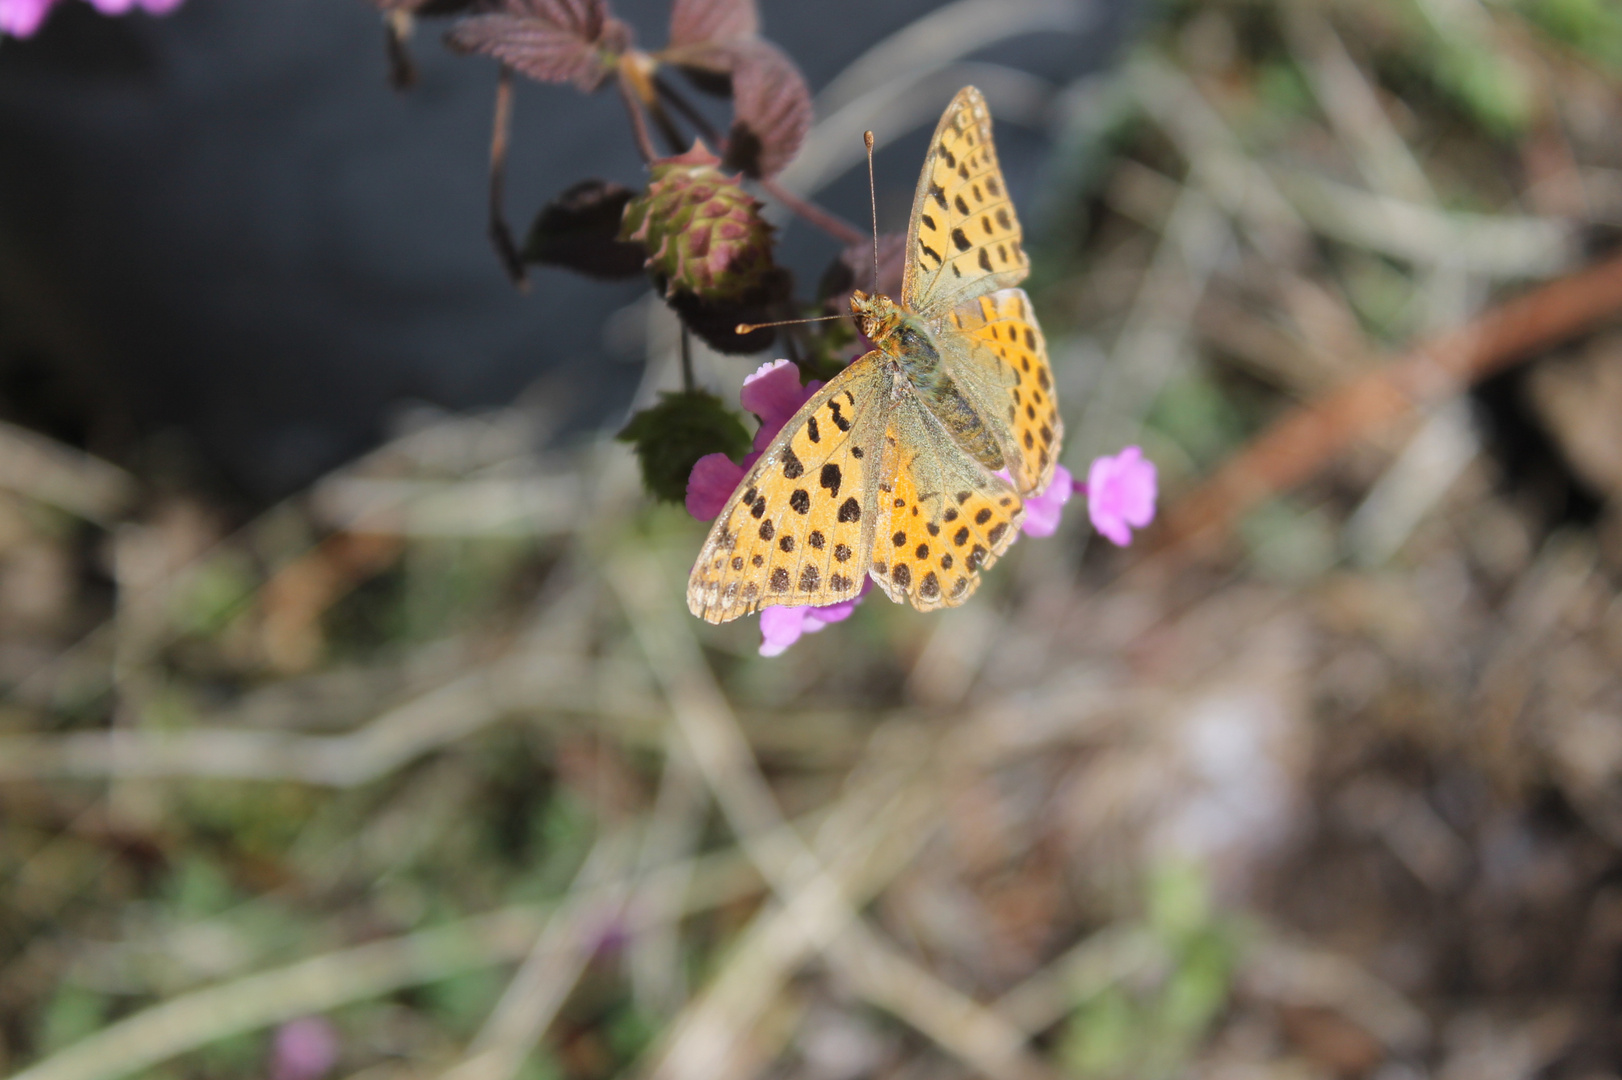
(304, 1049)
(20, 18)
(1042, 512)
(711, 483)
(781, 627)
(1121, 494)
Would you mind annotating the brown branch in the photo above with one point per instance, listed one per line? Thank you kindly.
(500, 233)
(639, 123)
(1300, 444)
(832, 224)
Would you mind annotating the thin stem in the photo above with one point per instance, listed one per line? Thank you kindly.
(500, 233)
(639, 124)
(397, 27)
(667, 127)
(830, 223)
(686, 359)
(686, 108)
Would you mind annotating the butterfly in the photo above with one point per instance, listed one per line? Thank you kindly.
(895, 469)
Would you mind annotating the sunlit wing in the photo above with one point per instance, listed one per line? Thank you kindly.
(942, 518)
(964, 238)
(799, 528)
(995, 352)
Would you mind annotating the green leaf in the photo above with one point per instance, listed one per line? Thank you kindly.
(675, 433)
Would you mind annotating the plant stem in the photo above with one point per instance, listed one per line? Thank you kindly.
(639, 124)
(500, 234)
(830, 223)
(686, 108)
(686, 359)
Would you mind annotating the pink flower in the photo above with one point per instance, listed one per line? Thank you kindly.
(711, 483)
(1042, 511)
(20, 18)
(304, 1049)
(1121, 494)
(774, 394)
(781, 627)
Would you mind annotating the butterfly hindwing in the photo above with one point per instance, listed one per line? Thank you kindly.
(995, 352)
(799, 528)
(964, 237)
(942, 518)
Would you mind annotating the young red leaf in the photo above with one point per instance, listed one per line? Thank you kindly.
(771, 108)
(574, 41)
(694, 22)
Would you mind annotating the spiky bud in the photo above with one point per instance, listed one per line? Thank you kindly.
(703, 231)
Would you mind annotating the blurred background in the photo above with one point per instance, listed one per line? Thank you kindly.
(354, 726)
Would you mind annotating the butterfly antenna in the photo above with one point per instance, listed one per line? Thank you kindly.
(751, 327)
(873, 202)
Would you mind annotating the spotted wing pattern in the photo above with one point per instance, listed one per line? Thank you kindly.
(995, 352)
(941, 517)
(799, 528)
(964, 238)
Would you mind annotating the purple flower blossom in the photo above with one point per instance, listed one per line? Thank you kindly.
(1121, 494)
(781, 627)
(1042, 511)
(304, 1049)
(774, 394)
(21, 18)
(711, 483)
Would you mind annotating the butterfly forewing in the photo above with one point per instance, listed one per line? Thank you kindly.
(995, 352)
(799, 528)
(964, 238)
(942, 518)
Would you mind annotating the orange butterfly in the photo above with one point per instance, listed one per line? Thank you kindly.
(890, 470)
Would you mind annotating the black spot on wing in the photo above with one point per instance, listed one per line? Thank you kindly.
(791, 464)
(830, 478)
(800, 501)
(850, 510)
(985, 260)
(961, 240)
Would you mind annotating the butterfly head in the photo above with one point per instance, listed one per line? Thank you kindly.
(876, 316)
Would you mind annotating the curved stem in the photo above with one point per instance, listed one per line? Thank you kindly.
(500, 233)
(687, 109)
(829, 222)
(639, 124)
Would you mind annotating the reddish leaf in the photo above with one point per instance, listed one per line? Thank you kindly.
(694, 22)
(771, 108)
(558, 41)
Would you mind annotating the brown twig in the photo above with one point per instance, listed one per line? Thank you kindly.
(633, 106)
(500, 233)
(687, 109)
(832, 224)
(397, 27)
(1307, 439)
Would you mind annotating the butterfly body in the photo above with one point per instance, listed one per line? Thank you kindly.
(911, 464)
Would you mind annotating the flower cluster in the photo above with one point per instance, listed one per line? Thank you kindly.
(1120, 492)
(21, 18)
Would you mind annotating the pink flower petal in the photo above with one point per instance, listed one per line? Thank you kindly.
(21, 18)
(1042, 512)
(711, 483)
(1121, 494)
(774, 394)
(781, 627)
(304, 1049)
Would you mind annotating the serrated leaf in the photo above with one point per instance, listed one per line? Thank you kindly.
(557, 41)
(771, 109)
(579, 231)
(675, 433)
(693, 22)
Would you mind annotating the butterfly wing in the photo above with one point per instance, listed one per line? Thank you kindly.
(964, 238)
(942, 518)
(799, 528)
(993, 350)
